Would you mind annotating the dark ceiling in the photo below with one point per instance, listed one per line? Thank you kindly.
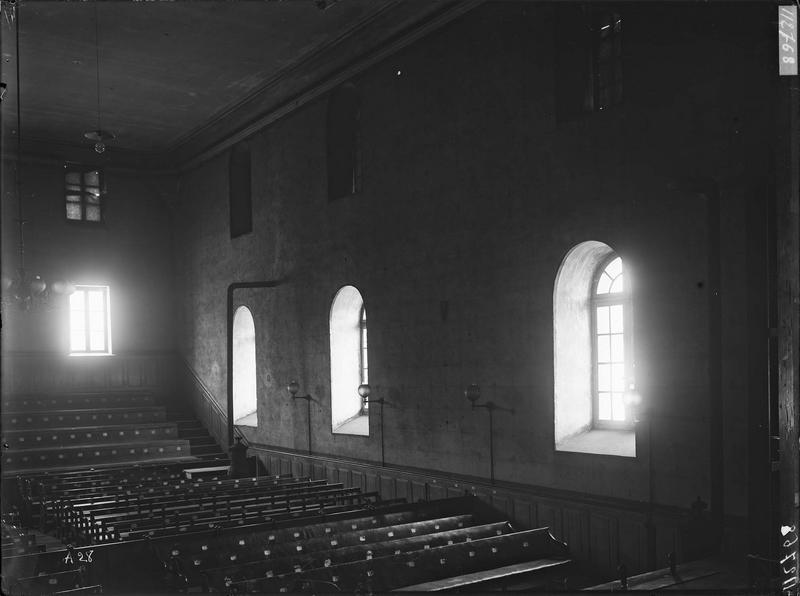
(176, 78)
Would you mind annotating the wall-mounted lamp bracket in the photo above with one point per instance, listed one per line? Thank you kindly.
(364, 391)
(293, 387)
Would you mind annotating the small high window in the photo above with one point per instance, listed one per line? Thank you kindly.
(606, 59)
(349, 365)
(343, 142)
(83, 195)
(89, 321)
(239, 193)
(588, 60)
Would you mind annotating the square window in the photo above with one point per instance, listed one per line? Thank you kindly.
(83, 195)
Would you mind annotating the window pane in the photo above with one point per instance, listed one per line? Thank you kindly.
(73, 178)
(618, 348)
(604, 377)
(91, 178)
(618, 285)
(603, 284)
(92, 213)
(603, 348)
(615, 312)
(97, 320)
(93, 198)
(73, 188)
(97, 341)
(602, 319)
(618, 377)
(618, 406)
(96, 300)
(77, 340)
(604, 406)
(614, 268)
(76, 300)
(74, 211)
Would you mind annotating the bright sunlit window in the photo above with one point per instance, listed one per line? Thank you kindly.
(610, 343)
(348, 327)
(89, 321)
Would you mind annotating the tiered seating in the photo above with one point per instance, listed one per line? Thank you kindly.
(156, 510)
(16, 541)
(92, 429)
(124, 504)
(413, 546)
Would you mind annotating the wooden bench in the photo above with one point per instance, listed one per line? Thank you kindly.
(30, 403)
(83, 417)
(272, 547)
(89, 435)
(665, 578)
(395, 571)
(211, 471)
(302, 560)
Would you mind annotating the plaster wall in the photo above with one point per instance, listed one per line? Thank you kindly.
(472, 194)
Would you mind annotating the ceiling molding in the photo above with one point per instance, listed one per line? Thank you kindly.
(450, 12)
(371, 40)
(294, 70)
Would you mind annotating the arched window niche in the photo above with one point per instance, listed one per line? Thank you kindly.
(348, 329)
(593, 355)
(245, 398)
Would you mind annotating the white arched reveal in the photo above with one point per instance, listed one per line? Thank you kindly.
(347, 415)
(244, 368)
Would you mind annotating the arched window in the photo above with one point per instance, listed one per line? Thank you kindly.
(343, 142)
(593, 352)
(245, 401)
(349, 364)
(612, 342)
(239, 196)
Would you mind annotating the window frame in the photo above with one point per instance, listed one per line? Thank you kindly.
(107, 349)
(363, 354)
(83, 193)
(343, 142)
(615, 60)
(595, 300)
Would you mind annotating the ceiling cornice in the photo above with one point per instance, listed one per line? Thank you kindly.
(368, 42)
(363, 61)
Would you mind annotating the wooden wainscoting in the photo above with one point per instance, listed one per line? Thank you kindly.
(47, 373)
(600, 532)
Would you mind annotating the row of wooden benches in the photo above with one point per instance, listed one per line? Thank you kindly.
(376, 552)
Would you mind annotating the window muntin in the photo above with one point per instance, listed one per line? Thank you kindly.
(89, 320)
(611, 344)
(82, 191)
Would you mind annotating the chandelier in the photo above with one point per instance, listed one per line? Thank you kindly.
(24, 291)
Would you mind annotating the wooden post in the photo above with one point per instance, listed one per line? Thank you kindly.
(788, 354)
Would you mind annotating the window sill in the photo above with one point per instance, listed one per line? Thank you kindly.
(621, 443)
(358, 425)
(90, 354)
(248, 420)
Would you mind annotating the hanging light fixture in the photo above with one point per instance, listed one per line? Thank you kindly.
(99, 136)
(25, 291)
